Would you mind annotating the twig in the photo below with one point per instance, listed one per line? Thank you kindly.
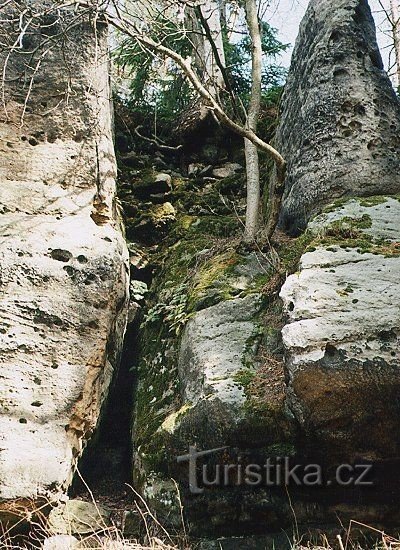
(339, 538)
(156, 141)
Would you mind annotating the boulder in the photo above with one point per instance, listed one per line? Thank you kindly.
(78, 517)
(194, 169)
(152, 184)
(60, 542)
(152, 224)
(134, 160)
(340, 117)
(63, 259)
(162, 178)
(342, 338)
(227, 170)
(198, 169)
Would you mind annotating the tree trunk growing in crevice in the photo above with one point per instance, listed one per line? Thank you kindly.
(251, 150)
(395, 22)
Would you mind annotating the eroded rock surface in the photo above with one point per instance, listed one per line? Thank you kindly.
(342, 340)
(210, 375)
(340, 121)
(63, 272)
(213, 350)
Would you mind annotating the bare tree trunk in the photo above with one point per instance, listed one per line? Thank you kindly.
(251, 150)
(395, 16)
(214, 80)
(253, 191)
(204, 22)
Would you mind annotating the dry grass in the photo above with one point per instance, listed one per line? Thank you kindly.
(33, 519)
(358, 536)
(156, 537)
(105, 537)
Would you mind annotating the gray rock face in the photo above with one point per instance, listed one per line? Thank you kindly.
(213, 350)
(63, 259)
(342, 340)
(78, 517)
(340, 122)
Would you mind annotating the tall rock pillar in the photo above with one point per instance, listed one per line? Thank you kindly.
(340, 123)
(63, 259)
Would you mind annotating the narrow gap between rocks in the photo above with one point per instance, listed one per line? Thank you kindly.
(106, 464)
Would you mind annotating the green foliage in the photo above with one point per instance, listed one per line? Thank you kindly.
(155, 85)
(238, 58)
(269, 118)
(158, 91)
(172, 314)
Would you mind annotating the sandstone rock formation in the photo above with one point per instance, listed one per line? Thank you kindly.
(63, 260)
(342, 339)
(208, 377)
(340, 121)
(212, 372)
(77, 517)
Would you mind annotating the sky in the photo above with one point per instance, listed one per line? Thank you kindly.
(285, 15)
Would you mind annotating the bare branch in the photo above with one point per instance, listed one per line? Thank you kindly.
(156, 141)
(128, 28)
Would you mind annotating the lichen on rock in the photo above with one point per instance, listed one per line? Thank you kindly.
(342, 338)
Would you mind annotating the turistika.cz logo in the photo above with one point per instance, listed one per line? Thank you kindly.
(276, 472)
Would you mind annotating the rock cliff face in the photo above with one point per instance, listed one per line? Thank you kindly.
(340, 122)
(312, 376)
(342, 339)
(210, 371)
(224, 362)
(63, 272)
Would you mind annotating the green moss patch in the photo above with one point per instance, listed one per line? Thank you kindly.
(264, 408)
(372, 201)
(291, 250)
(349, 233)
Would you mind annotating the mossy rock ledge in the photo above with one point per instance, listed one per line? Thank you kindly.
(342, 337)
(227, 363)
(210, 342)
